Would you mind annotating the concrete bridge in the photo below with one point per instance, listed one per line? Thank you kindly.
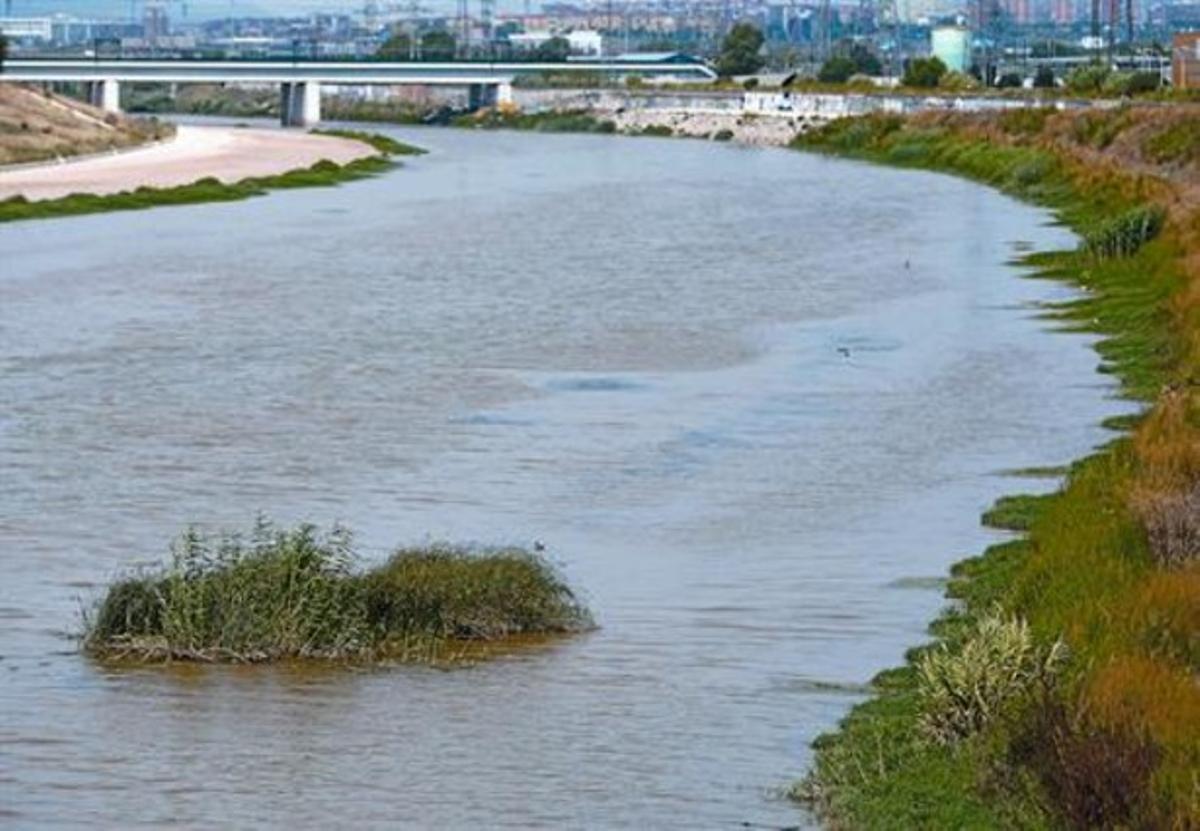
(300, 81)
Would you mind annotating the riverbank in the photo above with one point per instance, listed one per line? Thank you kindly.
(241, 162)
(1061, 687)
(37, 126)
(227, 154)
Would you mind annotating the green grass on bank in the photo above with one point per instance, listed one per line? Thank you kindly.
(324, 173)
(384, 144)
(1112, 740)
(280, 594)
(558, 121)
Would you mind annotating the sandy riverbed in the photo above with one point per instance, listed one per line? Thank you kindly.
(228, 153)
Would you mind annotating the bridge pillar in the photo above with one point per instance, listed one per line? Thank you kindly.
(488, 95)
(300, 104)
(104, 94)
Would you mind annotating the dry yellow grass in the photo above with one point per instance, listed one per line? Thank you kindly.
(35, 126)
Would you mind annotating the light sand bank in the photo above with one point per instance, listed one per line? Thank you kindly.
(226, 153)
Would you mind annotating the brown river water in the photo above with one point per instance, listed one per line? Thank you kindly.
(753, 402)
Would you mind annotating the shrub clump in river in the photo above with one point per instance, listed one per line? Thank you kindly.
(299, 594)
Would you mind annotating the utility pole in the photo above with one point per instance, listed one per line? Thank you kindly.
(464, 30)
(826, 27)
(1114, 25)
(487, 10)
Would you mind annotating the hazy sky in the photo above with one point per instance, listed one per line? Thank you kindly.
(197, 9)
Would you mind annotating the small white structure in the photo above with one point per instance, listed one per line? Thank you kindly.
(952, 46)
(586, 42)
(581, 41)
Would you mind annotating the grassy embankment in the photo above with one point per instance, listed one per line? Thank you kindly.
(324, 173)
(299, 595)
(1062, 686)
(36, 126)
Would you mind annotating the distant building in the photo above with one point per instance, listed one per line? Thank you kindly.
(924, 12)
(952, 46)
(1182, 15)
(26, 28)
(582, 42)
(155, 22)
(1185, 60)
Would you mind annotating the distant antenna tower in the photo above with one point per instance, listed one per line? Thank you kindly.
(887, 21)
(487, 14)
(1114, 25)
(464, 29)
(826, 29)
(8, 8)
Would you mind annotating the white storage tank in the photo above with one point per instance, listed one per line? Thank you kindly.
(952, 45)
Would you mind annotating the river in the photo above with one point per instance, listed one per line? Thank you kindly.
(752, 401)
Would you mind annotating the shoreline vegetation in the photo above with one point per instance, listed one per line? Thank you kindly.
(324, 173)
(299, 594)
(1061, 686)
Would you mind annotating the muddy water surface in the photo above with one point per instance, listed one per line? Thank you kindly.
(751, 400)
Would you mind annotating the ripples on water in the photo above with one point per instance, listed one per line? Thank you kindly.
(703, 374)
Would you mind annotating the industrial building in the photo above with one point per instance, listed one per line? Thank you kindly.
(1185, 60)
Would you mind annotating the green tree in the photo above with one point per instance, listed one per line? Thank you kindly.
(924, 72)
(1086, 80)
(509, 27)
(1009, 80)
(3, 51)
(398, 47)
(740, 51)
(437, 45)
(1044, 77)
(557, 49)
(865, 62)
(837, 70)
(853, 59)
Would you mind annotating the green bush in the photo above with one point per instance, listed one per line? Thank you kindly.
(1044, 78)
(383, 144)
(837, 70)
(964, 688)
(298, 594)
(924, 72)
(1177, 144)
(1087, 80)
(1123, 235)
(654, 131)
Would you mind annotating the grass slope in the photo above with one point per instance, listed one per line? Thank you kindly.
(1111, 562)
(36, 126)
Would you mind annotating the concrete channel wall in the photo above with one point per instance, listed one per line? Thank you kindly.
(769, 117)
